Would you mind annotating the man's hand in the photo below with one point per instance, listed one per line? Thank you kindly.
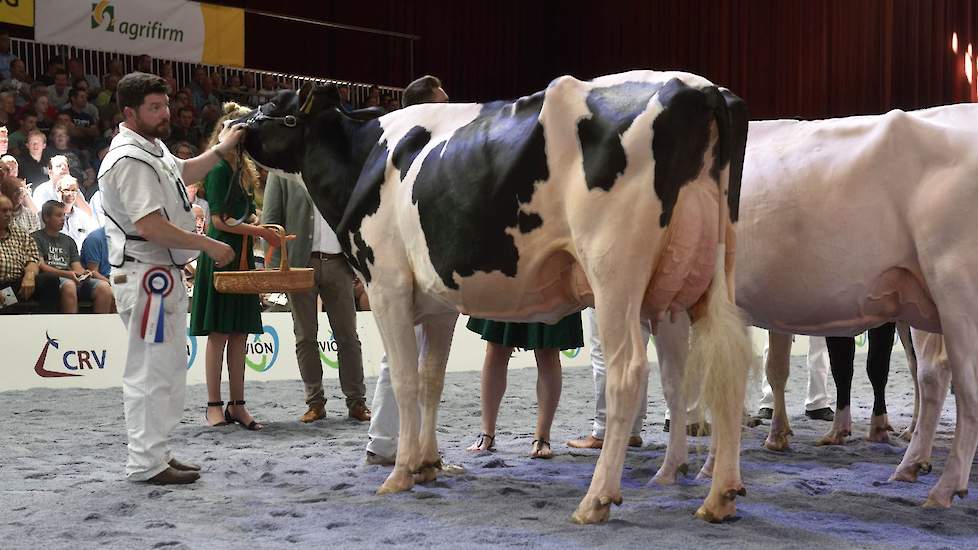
(26, 287)
(221, 253)
(229, 138)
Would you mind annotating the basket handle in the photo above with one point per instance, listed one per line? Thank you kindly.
(284, 260)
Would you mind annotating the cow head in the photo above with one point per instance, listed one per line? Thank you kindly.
(277, 130)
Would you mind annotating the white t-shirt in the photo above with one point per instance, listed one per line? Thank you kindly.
(43, 193)
(78, 225)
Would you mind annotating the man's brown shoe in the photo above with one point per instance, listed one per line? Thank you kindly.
(359, 411)
(315, 412)
(589, 442)
(172, 476)
(183, 466)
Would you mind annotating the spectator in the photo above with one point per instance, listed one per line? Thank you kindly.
(166, 73)
(107, 94)
(54, 65)
(344, 91)
(115, 68)
(183, 150)
(59, 144)
(18, 139)
(8, 110)
(95, 255)
(48, 190)
(6, 58)
(18, 255)
(58, 92)
(208, 118)
(4, 140)
(78, 224)
(45, 113)
(90, 107)
(84, 126)
(372, 101)
(389, 103)
(184, 128)
(32, 163)
(19, 82)
(202, 89)
(59, 255)
(24, 213)
(250, 87)
(76, 71)
(145, 64)
(88, 185)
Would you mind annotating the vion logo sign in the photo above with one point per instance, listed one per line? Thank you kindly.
(104, 17)
(71, 360)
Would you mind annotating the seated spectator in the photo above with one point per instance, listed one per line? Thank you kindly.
(208, 118)
(145, 64)
(18, 139)
(5, 56)
(79, 221)
(76, 70)
(183, 150)
(87, 185)
(90, 107)
(31, 162)
(18, 82)
(107, 94)
(166, 73)
(48, 190)
(54, 65)
(58, 92)
(180, 100)
(344, 91)
(389, 103)
(25, 215)
(59, 143)
(84, 126)
(202, 89)
(95, 255)
(45, 113)
(59, 255)
(373, 97)
(4, 140)
(8, 111)
(18, 255)
(184, 128)
(115, 68)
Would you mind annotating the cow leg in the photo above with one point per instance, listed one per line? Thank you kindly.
(776, 369)
(625, 360)
(436, 344)
(961, 341)
(933, 377)
(672, 347)
(392, 307)
(842, 353)
(903, 329)
(878, 370)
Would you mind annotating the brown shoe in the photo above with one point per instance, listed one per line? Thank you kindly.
(183, 466)
(589, 442)
(172, 476)
(359, 411)
(315, 412)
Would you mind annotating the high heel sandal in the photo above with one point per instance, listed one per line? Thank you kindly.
(253, 426)
(477, 448)
(217, 404)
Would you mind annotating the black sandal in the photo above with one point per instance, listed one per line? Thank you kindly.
(481, 440)
(217, 404)
(538, 445)
(253, 426)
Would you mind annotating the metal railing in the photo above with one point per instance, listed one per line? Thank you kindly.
(37, 55)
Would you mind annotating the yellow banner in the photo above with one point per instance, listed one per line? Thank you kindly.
(18, 12)
(223, 35)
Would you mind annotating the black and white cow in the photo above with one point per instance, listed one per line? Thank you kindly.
(618, 193)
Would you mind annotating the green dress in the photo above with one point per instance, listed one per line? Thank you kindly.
(566, 334)
(212, 311)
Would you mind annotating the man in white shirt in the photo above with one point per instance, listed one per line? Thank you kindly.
(48, 190)
(78, 224)
(151, 236)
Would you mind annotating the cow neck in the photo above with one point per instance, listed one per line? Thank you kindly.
(334, 158)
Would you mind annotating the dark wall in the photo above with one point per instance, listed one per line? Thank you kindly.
(812, 58)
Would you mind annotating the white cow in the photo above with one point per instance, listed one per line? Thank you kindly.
(617, 193)
(849, 223)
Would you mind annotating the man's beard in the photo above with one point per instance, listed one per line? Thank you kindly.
(160, 131)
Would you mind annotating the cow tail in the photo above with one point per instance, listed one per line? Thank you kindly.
(720, 356)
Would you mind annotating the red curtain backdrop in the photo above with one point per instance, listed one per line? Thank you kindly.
(805, 58)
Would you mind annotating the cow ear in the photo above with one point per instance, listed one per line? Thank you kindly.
(305, 98)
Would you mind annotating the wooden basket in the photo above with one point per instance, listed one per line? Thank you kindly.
(283, 279)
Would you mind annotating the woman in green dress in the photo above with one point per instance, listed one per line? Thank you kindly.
(228, 319)
(546, 341)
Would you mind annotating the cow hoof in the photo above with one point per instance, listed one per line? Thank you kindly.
(907, 434)
(776, 442)
(910, 473)
(397, 482)
(834, 437)
(593, 510)
(705, 473)
(879, 430)
(426, 474)
(717, 513)
(935, 502)
(668, 476)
